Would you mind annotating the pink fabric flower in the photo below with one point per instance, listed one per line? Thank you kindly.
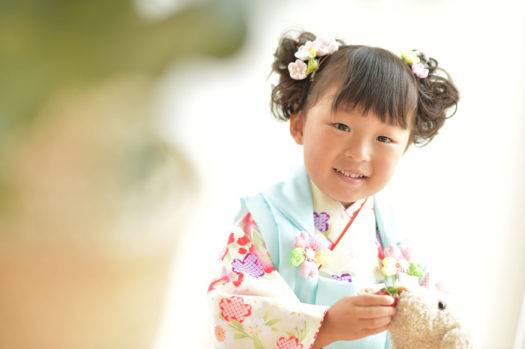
(419, 70)
(326, 46)
(393, 251)
(309, 269)
(310, 247)
(318, 242)
(301, 240)
(405, 251)
(297, 70)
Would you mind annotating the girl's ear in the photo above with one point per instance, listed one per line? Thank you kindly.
(296, 127)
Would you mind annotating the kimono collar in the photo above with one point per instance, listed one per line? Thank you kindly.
(323, 202)
(293, 198)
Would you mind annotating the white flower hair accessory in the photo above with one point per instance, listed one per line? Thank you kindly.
(311, 52)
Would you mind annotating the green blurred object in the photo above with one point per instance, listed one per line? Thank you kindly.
(92, 198)
(48, 44)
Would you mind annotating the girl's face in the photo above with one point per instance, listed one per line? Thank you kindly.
(348, 155)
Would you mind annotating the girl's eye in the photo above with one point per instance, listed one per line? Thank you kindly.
(342, 127)
(384, 139)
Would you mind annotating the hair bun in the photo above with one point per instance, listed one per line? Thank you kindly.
(437, 93)
(289, 95)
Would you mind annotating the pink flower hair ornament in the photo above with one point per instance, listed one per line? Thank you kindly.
(309, 57)
(412, 58)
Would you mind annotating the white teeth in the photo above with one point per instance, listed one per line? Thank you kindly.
(348, 174)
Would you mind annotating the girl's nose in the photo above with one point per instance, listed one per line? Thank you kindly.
(358, 150)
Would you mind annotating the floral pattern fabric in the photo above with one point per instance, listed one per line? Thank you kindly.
(252, 305)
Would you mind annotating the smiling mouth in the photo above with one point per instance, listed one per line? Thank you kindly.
(350, 174)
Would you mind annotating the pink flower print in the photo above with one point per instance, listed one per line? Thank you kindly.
(419, 70)
(221, 281)
(290, 343)
(248, 224)
(297, 70)
(249, 266)
(234, 309)
(321, 221)
(380, 253)
(266, 264)
(309, 269)
(243, 241)
(220, 334)
(225, 251)
(239, 280)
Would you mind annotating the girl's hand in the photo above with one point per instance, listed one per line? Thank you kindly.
(355, 317)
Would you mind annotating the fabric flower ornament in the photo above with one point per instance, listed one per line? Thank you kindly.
(308, 54)
(410, 57)
(419, 70)
(306, 51)
(395, 265)
(326, 46)
(310, 252)
(297, 70)
(389, 266)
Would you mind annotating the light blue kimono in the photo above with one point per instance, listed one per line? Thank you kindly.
(282, 212)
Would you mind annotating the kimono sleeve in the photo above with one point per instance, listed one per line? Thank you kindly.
(252, 305)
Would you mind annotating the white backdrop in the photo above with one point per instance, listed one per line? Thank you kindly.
(463, 193)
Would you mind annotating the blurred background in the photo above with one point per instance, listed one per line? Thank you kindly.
(130, 129)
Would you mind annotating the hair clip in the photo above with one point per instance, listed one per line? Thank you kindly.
(412, 58)
(310, 52)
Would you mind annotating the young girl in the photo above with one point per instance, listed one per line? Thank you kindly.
(302, 250)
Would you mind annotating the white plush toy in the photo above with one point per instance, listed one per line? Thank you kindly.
(424, 320)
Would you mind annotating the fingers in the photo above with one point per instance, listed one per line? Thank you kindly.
(373, 299)
(377, 323)
(375, 312)
(370, 332)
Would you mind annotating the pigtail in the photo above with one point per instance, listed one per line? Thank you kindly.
(436, 94)
(289, 95)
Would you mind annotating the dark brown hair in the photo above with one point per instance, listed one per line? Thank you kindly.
(370, 78)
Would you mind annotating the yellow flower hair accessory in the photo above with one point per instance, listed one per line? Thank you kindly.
(412, 59)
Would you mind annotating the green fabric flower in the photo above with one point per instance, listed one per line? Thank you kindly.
(415, 269)
(297, 256)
